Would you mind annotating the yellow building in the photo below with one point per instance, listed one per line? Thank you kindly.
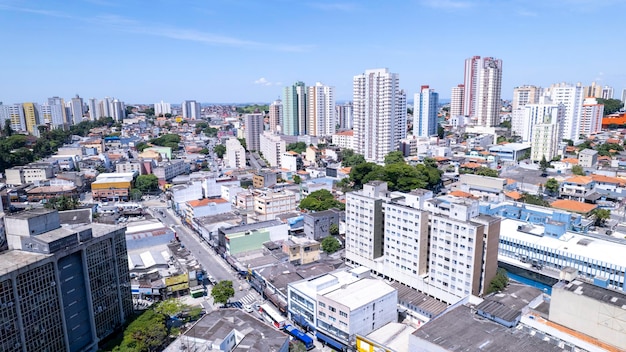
(112, 186)
(95, 143)
(30, 117)
(302, 250)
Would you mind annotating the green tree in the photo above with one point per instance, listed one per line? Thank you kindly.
(330, 244)
(7, 131)
(141, 146)
(506, 124)
(543, 165)
(62, 203)
(333, 229)
(243, 143)
(499, 282)
(149, 111)
(145, 334)
(222, 292)
(394, 157)
(170, 307)
(441, 132)
(320, 200)
(136, 194)
(344, 185)
(485, 171)
(611, 105)
(296, 346)
(578, 170)
(601, 216)
(552, 186)
(147, 183)
(299, 147)
(501, 139)
(297, 179)
(350, 158)
(204, 151)
(534, 200)
(219, 150)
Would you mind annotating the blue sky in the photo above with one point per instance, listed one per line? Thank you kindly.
(247, 50)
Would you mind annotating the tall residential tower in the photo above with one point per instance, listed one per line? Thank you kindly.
(425, 112)
(321, 114)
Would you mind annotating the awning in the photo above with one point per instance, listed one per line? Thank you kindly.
(331, 342)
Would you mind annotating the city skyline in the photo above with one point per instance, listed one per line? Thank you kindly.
(236, 52)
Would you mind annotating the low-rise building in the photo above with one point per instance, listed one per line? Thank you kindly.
(588, 158)
(21, 175)
(302, 250)
(268, 204)
(317, 225)
(249, 237)
(170, 169)
(263, 179)
(112, 186)
(129, 166)
(205, 207)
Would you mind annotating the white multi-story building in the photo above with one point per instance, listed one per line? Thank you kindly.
(425, 112)
(94, 111)
(235, 154)
(607, 92)
(294, 121)
(591, 117)
(15, 114)
(440, 246)
(268, 204)
(345, 115)
(321, 116)
(77, 108)
(456, 100)
(118, 110)
(571, 96)
(272, 147)
(106, 107)
(545, 141)
(253, 129)
(191, 109)
(51, 115)
(289, 160)
(162, 108)
(275, 115)
(522, 96)
(533, 114)
(379, 113)
(344, 139)
(482, 89)
(624, 95)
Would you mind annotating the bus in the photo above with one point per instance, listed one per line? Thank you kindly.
(299, 335)
(272, 316)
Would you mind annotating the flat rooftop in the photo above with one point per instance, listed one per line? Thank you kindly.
(571, 243)
(13, 259)
(215, 326)
(426, 303)
(597, 293)
(252, 226)
(31, 213)
(393, 335)
(461, 330)
(359, 293)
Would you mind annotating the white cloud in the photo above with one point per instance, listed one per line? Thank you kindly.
(264, 82)
(447, 4)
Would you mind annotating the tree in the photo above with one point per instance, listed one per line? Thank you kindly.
(506, 124)
(501, 139)
(333, 229)
(141, 146)
(485, 171)
(146, 333)
(62, 203)
(7, 131)
(136, 194)
(204, 151)
(441, 132)
(223, 291)
(330, 244)
(394, 157)
(578, 170)
(601, 216)
(611, 105)
(350, 158)
(147, 183)
(170, 307)
(499, 282)
(219, 150)
(243, 143)
(534, 200)
(296, 346)
(543, 165)
(297, 179)
(552, 186)
(320, 200)
(299, 147)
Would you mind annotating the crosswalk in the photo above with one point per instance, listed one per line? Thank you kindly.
(248, 299)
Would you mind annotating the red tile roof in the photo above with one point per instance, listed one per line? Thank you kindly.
(573, 206)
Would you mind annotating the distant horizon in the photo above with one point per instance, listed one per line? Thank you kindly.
(196, 50)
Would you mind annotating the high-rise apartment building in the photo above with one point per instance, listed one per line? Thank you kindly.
(545, 141)
(592, 91)
(94, 109)
(77, 108)
(521, 97)
(379, 113)
(118, 110)
(162, 108)
(235, 154)
(345, 116)
(106, 107)
(591, 116)
(275, 115)
(253, 129)
(571, 96)
(456, 100)
(483, 82)
(15, 114)
(191, 110)
(31, 117)
(425, 109)
(272, 147)
(624, 95)
(61, 288)
(533, 114)
(57, 106)
(321, 114)
(607, 92)
(441, 245)
(294, 122)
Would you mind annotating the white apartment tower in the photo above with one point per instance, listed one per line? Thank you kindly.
(272, 147)
(162, 108)
(546, 134)
(591, 116)
(521, 97)
(77, 108)
(533, 114)
(456, 100)
(379, 113)
(571, 96)
(275, 115)
(483, 82)
(118, 108)
(235, 154)
(254, 128)
(191, 109)
(94, 111)
(425, 112)
(15, 114)
(321, 117)
(607, 92)
(345, 116)
(294, 121)
(57, 107)
(106, 107)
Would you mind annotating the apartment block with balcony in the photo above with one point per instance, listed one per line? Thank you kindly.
(577, 188)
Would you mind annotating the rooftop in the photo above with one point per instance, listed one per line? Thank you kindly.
(252, 335)
(579, 180)
(206, 201)
(597, 293)
(393, 335)
(359, 293)
(573, 206)
(250, 227)
(461, 329)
